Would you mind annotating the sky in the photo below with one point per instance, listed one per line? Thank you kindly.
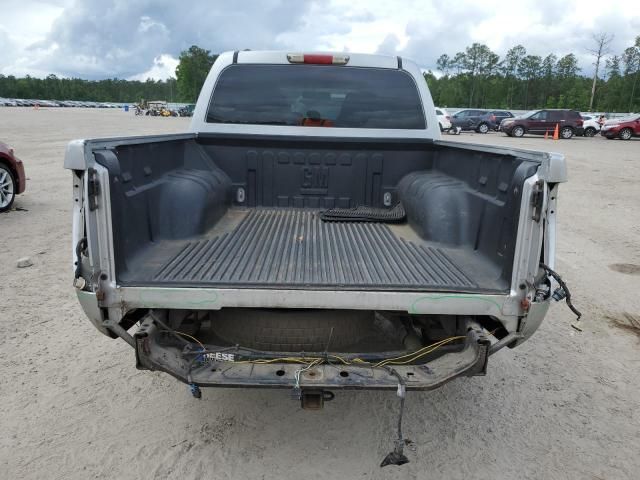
(139, 39)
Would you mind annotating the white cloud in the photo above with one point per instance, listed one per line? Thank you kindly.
(120, 38)
(164, 66)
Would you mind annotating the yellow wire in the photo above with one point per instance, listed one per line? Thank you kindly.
(342, 359)
(415, 355)
(285, 359)
(404, 362)
(359, 360)
(192, 338)
(412, 354)
(261, 361)
(313, 361)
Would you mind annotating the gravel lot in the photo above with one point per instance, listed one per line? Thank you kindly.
(564, 405)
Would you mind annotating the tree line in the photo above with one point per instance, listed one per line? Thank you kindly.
(479, 78)
(476, 77)
(109, 90)
(194, 64)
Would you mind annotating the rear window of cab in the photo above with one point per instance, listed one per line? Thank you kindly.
(316, 95)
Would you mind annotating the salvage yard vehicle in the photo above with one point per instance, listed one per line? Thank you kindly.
(622, 128)
(470, 120)
(481, 121)
(590, 125)
(539, 122)
(444, 119)
(187, 110)
(160, 109)
(313, 232)
(12, 177)
(497, 116)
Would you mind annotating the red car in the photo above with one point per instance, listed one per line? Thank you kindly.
(12, 177)
(623, 128)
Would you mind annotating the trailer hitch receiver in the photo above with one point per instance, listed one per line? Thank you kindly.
(314, 399)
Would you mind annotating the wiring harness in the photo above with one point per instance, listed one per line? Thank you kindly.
(198, 355)
(563, 291)
(309, 361)
(395, 457)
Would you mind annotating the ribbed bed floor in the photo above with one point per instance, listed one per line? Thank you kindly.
(287, 248)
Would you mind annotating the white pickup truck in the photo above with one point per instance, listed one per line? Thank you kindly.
(313, 232)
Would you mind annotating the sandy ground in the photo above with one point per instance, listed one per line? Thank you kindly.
(564, 405)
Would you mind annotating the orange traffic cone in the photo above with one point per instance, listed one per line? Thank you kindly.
(546, 134)
(555, 133)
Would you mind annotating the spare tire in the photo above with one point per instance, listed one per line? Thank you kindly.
(291, 330)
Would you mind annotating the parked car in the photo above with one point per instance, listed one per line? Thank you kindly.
(538, 122)
(12, 177)
(470, 119)
(498, 116)
(187, 110)
(256, 250)
(481, 121)
(444, 119)
(622, 128)
(590, 125)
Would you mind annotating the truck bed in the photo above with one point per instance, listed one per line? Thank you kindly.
(243, 212)
(294, 248)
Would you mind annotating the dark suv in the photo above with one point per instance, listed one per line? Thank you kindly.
(479, 120)
(468, 119)
(498, 116)
(539, 122)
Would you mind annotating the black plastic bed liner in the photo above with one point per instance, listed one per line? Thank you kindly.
(294, 248)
